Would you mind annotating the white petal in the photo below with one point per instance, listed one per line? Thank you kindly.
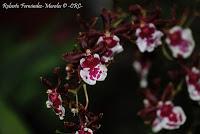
(151, 47)
(138, 30)
(157, 125)
(143, 82)
(62, 114)
(117, 48)
(86, 77)
(146, 103)
(193, 93)
(137, 66)
(175, 50)
(100, 39)
(195, 70)
(96, 56)
(103, 74)
(151, 25)
(49, 104)
(106, 59)
(49, 91)
(142, 44)
(187, 35)
(116, 38)
(174, 29)
(157, 36)
(180, 111)
(166, 122)
(81, 61)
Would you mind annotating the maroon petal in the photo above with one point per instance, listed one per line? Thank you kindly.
(167, 94)
(151, 97)
(73, 57)
(46, 82)
(146, 112)
(136, 10)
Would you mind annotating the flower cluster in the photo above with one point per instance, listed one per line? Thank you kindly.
(97, 49)
(88, 122)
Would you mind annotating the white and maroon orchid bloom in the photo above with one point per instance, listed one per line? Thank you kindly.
(193, 83)
(161, 112)
(92, 69)
(168, 117)
(180, 42)
(148, 37)
(142, 68)
(84, 131)
(112, 42)
(55, 101)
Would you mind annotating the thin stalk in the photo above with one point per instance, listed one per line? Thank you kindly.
(77, 102)
(179, 87)
(86, 96)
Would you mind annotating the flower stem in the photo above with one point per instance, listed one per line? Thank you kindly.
(179, 87)
(166, 54)
(77, 101)
(86, 96)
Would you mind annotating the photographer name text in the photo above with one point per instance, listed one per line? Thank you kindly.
(44, 5)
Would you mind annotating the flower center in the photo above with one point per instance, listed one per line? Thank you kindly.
(90, 62)
(95, 73)
(110, 42)
(177, 40)
(166, 110)
(146, 32)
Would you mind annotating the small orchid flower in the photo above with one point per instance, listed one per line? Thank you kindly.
(168, 117)
(148, 37)
(54, 97)
(92, 69)
(112, 42)
(161, 113)
(142, 68)
(55, 101)
(180, 42)
(193, 83)
(84, 130)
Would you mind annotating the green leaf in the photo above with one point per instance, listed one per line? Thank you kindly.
(10, 123)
